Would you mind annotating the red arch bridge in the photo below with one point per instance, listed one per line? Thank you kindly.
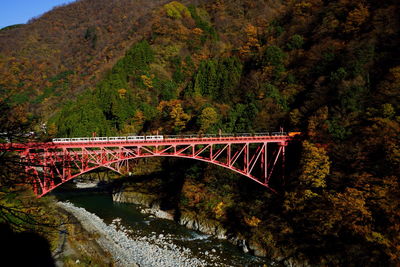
(48, 165)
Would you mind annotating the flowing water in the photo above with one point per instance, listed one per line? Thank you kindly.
(129, 215)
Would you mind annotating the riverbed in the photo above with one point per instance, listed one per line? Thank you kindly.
(132, 237)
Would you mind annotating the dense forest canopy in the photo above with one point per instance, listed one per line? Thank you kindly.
(330, 69)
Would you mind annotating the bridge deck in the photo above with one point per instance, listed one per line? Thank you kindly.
(178, 141)
(164, 142)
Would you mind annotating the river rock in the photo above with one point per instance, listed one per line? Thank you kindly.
(244, 246)
(257, 249)
(168, 214)
(190, 220)
(132, 251)
(294, 262)
(206, 226)
(126, 196)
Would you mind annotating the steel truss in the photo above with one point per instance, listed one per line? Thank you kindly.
(49, 165)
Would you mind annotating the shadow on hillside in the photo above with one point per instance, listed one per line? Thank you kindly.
(24, 249)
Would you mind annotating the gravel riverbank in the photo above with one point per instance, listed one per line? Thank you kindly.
(128, 250)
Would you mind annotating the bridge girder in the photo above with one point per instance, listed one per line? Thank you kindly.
(49, 166)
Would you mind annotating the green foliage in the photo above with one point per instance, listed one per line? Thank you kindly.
(338, 75)
(275, 57)
(208, 118)
(240, 118)
(176, 10)
(20, 98)
(327, 63)
(273, 92)
(108, 108)
(136, 60)
(276, 28)
(351, 98)
(178, 76)
(337, 130)
(182, 68)
(48, 91)
(202, 23)
(62, 76)
(217, 79)
(388, 110)
(167, 89)
(149, 111)
(295, 42)
(15, 26)
(359, 58)
(82, 118)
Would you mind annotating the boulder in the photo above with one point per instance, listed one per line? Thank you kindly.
(257, 249)
(126, 196)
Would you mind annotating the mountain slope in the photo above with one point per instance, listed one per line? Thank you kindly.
(72, 44)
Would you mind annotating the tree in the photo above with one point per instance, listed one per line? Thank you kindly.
(176, 10)
(314, 169)
(295, 42)
(173, 116)
(356, 18)
(208, 118)
(179, 116)
(82, 118)
(19, 208)
(315, 166)
(274, 57)
(217, 78)
(252, 44)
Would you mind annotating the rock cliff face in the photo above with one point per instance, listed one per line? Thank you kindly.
(127, 196)
(212, 227)
(150, 202)
(207, 226)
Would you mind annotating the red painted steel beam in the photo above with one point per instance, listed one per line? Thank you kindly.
(52, 164)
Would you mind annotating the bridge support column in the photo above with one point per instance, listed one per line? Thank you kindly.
(283, 146)
(264, 163)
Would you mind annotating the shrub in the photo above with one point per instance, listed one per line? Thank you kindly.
(176, 10)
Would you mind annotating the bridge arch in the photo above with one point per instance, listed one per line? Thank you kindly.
(254, 158)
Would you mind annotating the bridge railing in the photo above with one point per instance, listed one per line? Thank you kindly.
(279, 134)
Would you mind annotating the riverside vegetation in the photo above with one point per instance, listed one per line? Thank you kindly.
(329, 69)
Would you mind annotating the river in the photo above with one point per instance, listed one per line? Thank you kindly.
(138, 226)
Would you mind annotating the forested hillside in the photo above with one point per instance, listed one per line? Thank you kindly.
(330, 69)
(60, 54)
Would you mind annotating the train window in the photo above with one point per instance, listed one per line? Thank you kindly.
(100, 138)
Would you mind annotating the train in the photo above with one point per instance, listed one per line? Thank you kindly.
(109, 139)
(162, 137)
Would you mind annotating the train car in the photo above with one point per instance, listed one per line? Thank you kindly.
(261, 134)
(79, 139)
(135, 138)
(99, 139)
(60, 140)
(278, 133)
(117, 138)
(154, 137)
